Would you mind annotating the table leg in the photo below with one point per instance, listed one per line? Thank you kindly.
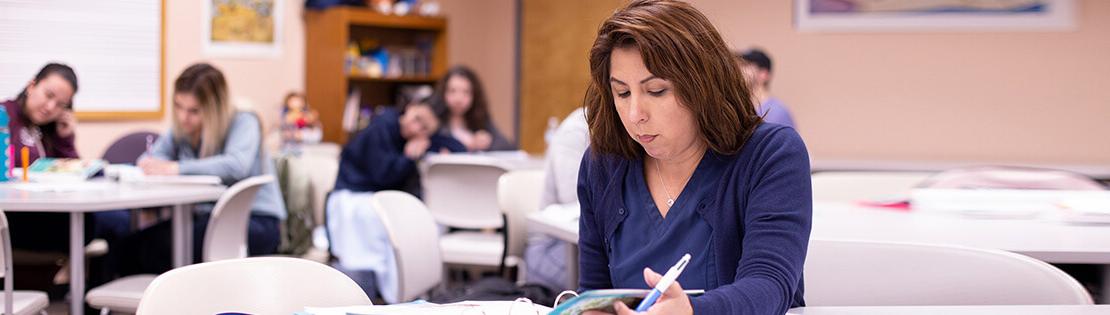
(572, 266)
(182, 236)
(1105, 295)
(77, 263)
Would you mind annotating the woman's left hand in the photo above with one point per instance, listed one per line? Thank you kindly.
(673, 301)
(66, 124)
(153, 166)
(482, 141)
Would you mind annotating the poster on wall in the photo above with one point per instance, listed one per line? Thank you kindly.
(933, 15)
(242, 28)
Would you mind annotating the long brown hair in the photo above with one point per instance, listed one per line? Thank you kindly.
(477, 117)
(680, 45)
(207, 84)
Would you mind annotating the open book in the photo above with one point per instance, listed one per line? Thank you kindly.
(603, 300)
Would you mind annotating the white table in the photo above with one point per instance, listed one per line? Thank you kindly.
(80, 198)
(1097, 171)
(564, 228)
(955, 310)
(1044, 239)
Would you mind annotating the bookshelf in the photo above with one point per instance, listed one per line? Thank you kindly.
(328, 34)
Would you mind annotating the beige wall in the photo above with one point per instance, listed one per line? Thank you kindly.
(1017, 97)
(262, 82)
(481, 34)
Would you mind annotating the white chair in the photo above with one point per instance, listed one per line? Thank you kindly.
(225, 237)
(461, 192)
(518, 195)
(16, 302)
(321, 179)
(414, 236)
(257, 285)
(325, 168)
(859, 273)
(856, 186)
(323, 149)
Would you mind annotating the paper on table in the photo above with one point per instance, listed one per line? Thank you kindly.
(178, 179)
(1086, 210)
(60, 187)
(424, 308)
(132, 174)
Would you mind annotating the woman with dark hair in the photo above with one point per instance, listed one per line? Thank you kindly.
(680, 162)
(41, 119)
(460, 103)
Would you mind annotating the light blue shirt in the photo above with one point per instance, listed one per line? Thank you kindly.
(242, 156)
(774, 111)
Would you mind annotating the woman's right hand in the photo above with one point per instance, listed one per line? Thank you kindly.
(153, 166)
(481, 142)
(415, 148)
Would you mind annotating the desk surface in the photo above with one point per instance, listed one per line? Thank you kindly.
(100, 195)
(1044, 239)
(1098, 171)
(955, 310)
(509, 160)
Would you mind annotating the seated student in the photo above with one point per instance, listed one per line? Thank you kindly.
(381, 157)
(460, 103)
(208, 137)
(41, 119)
(680, 162)
(756, 66)
(545, 256)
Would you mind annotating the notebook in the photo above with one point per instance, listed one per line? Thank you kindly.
(54, 170)
(603, 300)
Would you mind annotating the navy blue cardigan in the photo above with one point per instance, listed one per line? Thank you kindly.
(760, 216)
(374, 159)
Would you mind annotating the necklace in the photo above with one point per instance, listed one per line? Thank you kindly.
(670, 198)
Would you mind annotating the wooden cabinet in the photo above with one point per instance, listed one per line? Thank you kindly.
(328, 33)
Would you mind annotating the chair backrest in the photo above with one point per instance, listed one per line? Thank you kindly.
(323, 149)
(257, 285)
(863, 273)
(415, 239)
(128, 149)
(226, 234)
(518, 194)
(464, 193)
(6, 262)
(857, 186)
(324, 169)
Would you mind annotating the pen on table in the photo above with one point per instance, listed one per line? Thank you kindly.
(664, 283)
(25, 155)
(149, 143)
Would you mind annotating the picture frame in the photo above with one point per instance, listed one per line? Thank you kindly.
(242, 28)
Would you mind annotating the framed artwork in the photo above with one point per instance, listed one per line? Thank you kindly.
(933, 15)
(242, 28)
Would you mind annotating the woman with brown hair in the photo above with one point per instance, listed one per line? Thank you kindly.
(460, 103)
(680, 162)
